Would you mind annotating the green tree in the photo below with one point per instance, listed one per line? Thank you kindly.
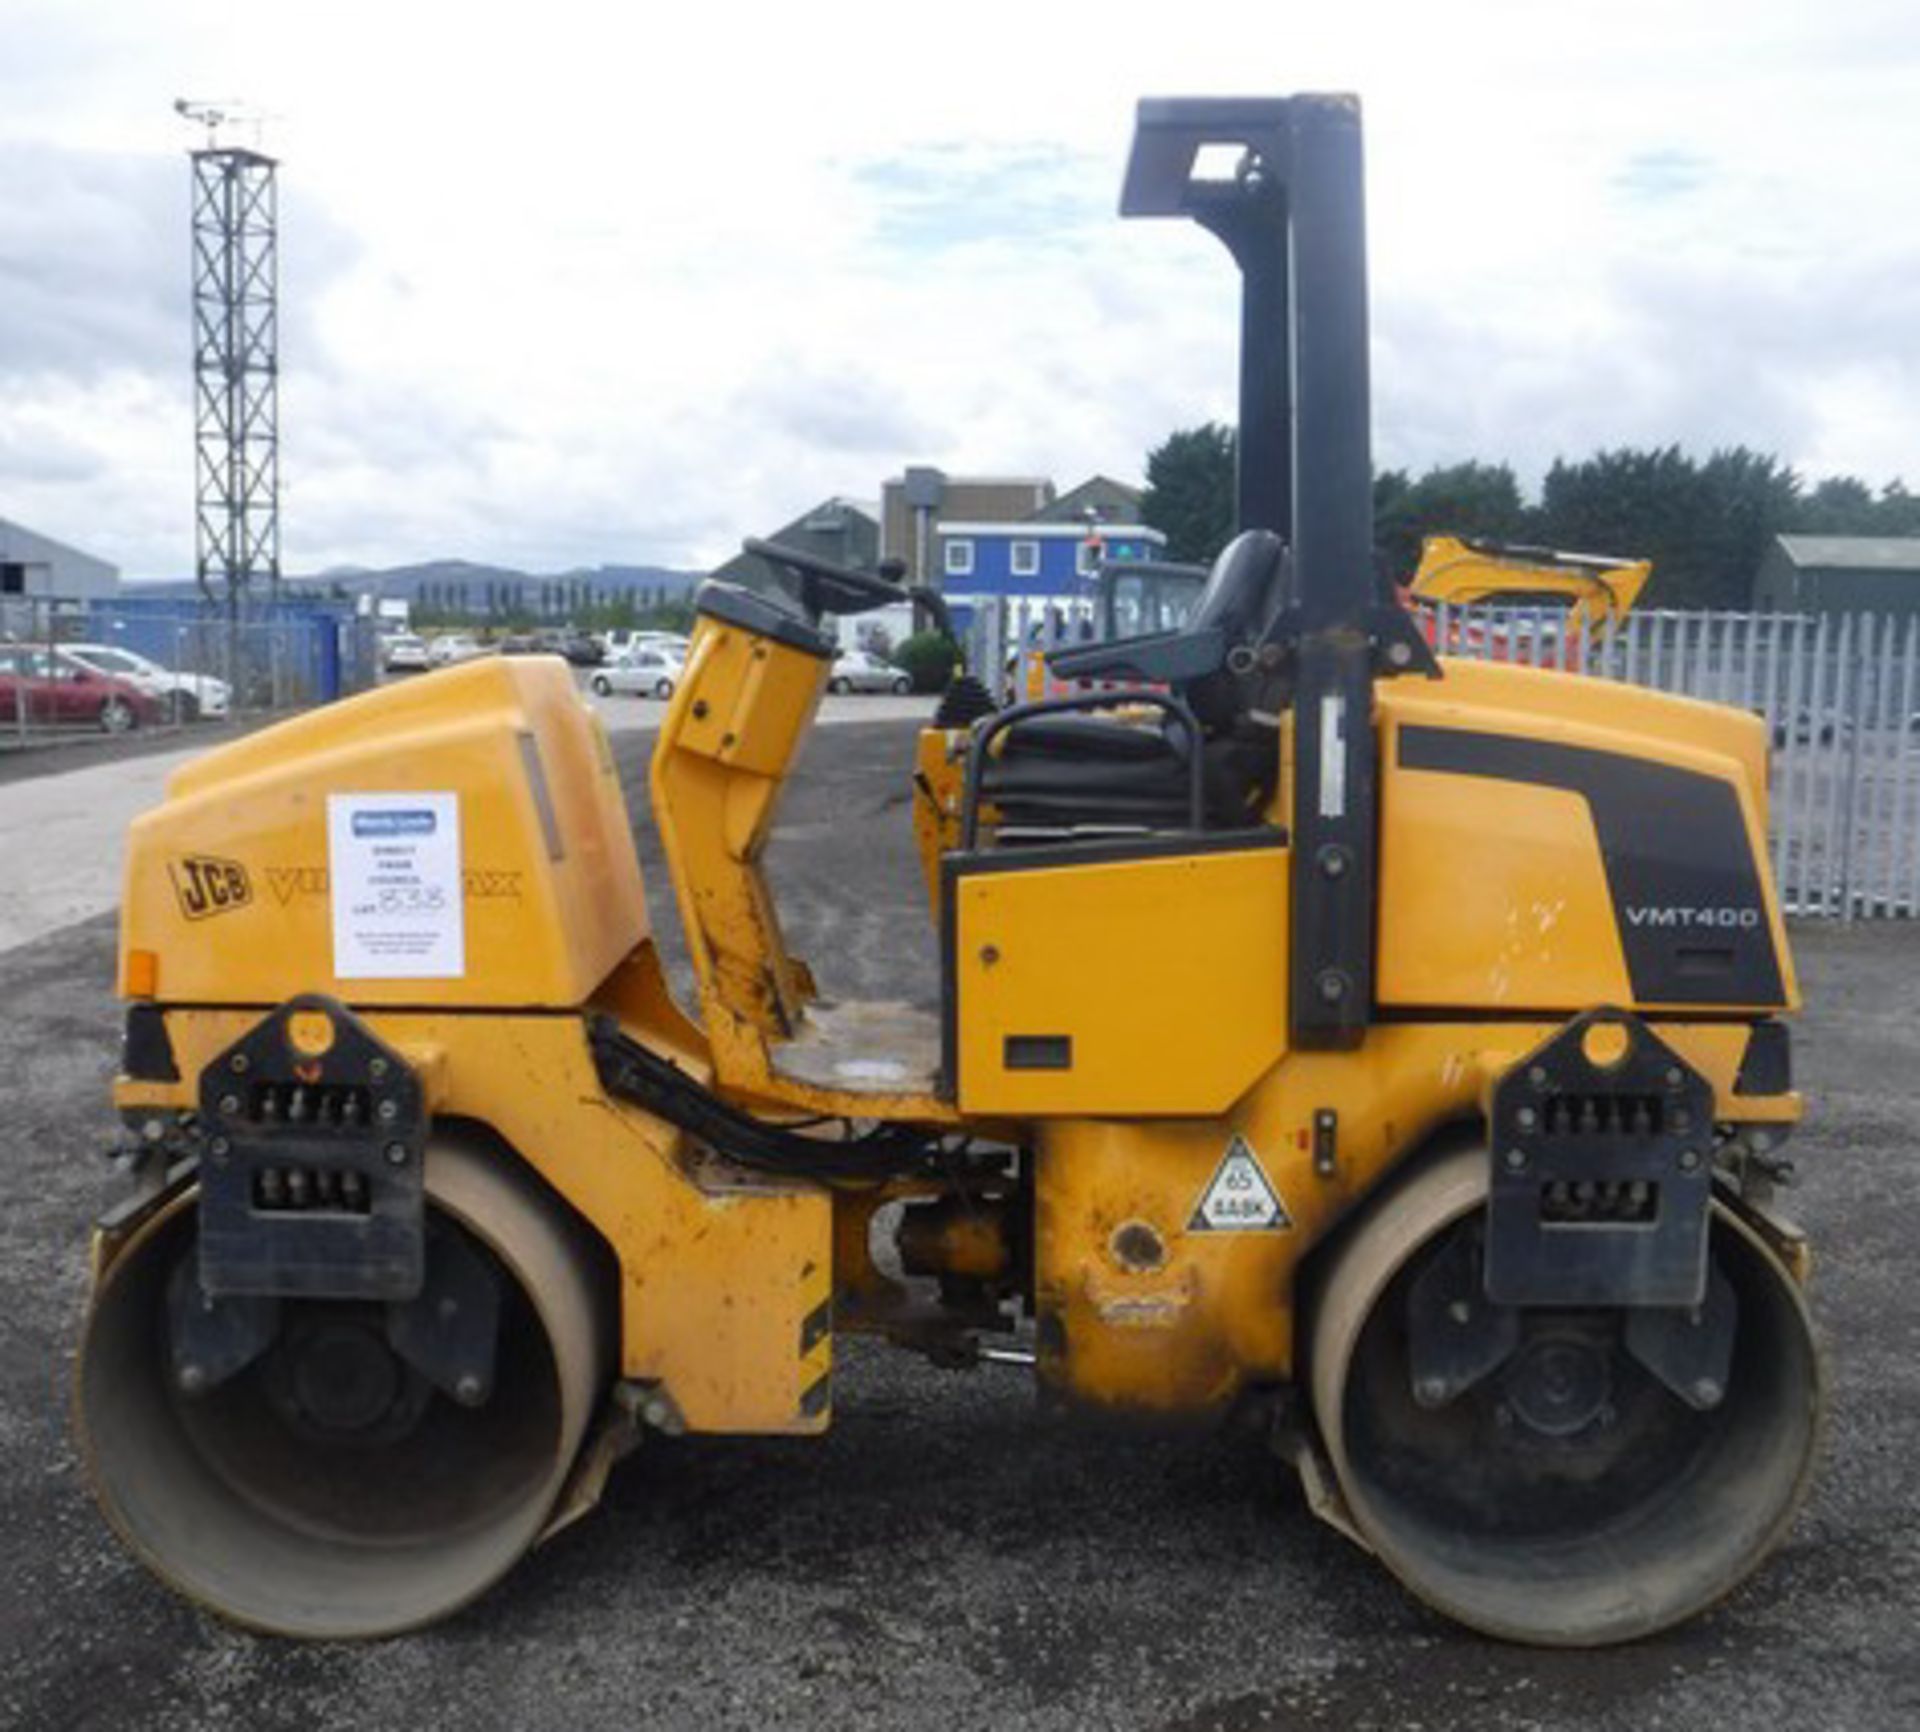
(1480, 499)
(1190, 491)
(1840, 505)
(669, 613)
(1704, 525)
(1896, 512)
(930, 658)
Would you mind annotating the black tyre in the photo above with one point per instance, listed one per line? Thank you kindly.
(663, 688)
(602, 685)
(902, 686)
(841, 687)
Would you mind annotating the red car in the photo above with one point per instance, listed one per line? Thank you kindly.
(48, 689)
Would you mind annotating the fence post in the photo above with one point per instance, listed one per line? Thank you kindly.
(1903, 853)
(1797, 776)
(1825, 718)
(1770, 702)
(1888, 726)
(1849, 731)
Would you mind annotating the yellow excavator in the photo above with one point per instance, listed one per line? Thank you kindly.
(1386, 1045)
(1588, 595)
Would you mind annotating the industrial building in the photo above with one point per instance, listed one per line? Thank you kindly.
(974, 538)
(1839, 574)
(35, 565)
(913, 503)
(842, 530)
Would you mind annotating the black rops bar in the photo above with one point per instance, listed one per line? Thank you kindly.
(1292, 213)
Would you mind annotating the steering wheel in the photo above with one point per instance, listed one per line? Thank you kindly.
(825, 587)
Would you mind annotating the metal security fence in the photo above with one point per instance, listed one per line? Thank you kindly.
(87, 669)
(1840, 695)
(1008, 640)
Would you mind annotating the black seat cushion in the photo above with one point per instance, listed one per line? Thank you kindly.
(1072, 772)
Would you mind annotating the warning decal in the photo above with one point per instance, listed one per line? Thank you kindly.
(1238, 1198)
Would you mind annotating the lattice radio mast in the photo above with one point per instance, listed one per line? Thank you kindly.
(236, 362)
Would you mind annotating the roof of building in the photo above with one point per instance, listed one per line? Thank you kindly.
(840, 502)
(1095, 491)
(1853, 552)
(1029, 529)
(814, 529)
(12, 526)
(1037, 481)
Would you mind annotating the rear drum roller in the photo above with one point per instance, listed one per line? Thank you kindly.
(327, 1489)
(1568, 1497)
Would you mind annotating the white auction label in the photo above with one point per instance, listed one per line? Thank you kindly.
(394, 865)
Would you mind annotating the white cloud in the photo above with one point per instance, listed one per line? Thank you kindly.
(574, 282)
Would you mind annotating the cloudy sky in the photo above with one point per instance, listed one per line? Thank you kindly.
(565, 283)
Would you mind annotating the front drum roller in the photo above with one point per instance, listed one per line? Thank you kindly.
(1568, 1499)
(323, 1491)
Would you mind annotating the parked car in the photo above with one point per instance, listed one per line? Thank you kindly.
(522, 643)
(454, 646)
(583, 649)
(186, 696)
(644, 672)
(1807, 727)
(859, 670)
(625, 641)
(406, 652)
(49, 688)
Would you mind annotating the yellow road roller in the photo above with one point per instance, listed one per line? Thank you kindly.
(1389, 1047)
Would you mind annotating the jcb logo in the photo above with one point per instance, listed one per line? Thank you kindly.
(207, 886)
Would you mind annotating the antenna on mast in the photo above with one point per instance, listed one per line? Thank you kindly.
(236, 363)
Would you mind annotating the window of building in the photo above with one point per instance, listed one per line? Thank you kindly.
(1090, 554)
(13, 579)
(960, 557)
(1026, 559)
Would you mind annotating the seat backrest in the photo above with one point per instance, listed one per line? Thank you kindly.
(1245, 590)
(1240, 587)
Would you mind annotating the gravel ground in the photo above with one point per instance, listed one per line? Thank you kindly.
(945, 1557)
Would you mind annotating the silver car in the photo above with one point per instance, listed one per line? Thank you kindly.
(186, 696)
(405, 652)
(453, 647)
(861, 670)
(648, 671)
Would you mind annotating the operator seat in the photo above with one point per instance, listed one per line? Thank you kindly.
(1052, 772)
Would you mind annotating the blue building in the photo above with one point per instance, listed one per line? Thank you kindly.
(1034, 560)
